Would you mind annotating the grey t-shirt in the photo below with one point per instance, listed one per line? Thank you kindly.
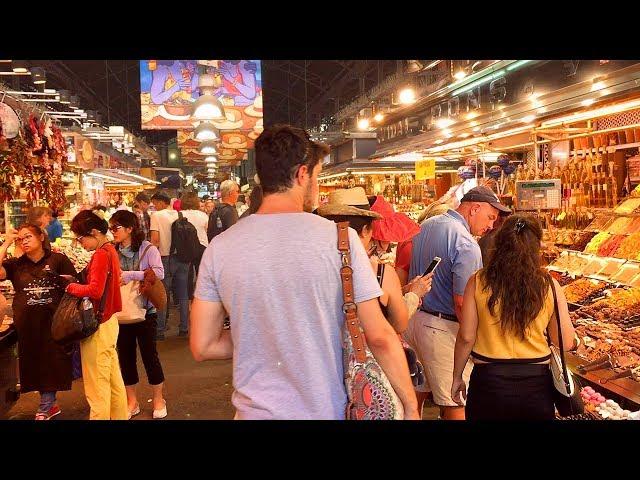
(278, 277)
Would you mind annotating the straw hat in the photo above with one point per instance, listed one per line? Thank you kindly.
(351, 201)
(394, 226)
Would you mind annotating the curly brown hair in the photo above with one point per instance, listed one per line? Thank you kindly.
(514, 276)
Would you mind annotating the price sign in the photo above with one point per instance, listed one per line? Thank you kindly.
(426, 169)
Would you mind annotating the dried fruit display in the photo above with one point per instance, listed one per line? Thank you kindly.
(609, 246)
(629, 247)
(582, 288)
(634, 227)
(583, 240)
(596, 242)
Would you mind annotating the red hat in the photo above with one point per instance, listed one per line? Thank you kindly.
(394, 226)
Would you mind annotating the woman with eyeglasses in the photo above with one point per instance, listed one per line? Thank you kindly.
(45, 366)
(103, 384)
(136, 255)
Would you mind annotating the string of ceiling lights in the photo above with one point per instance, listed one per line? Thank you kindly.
(207, 109)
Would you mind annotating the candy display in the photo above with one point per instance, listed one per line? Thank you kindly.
(611, 267)
(583, 288)
(629, 247)
(609, 246)
(562, 278)
(619, 305)
(596, 242)
(626, 273)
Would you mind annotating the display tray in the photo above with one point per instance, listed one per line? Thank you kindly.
(623, 387)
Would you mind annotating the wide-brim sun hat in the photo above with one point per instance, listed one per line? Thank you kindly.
(348, 202)
(394, 226)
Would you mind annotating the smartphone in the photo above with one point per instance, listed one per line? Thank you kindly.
(432, 266)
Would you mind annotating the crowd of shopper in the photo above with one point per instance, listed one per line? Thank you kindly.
(482, 318)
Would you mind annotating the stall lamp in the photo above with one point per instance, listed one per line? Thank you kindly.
(378, 117)
(407, 96)
(363, 123)
(444, 123)
(19, 66)
(172, 156)
(460, 74)
(207, 147)
(38, 75)
(206, 131)
(211, 159)
(208, 107)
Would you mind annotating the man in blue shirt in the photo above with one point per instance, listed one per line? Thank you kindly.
(54, 229)
(432, 331)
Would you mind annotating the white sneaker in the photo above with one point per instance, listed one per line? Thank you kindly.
(158, 414)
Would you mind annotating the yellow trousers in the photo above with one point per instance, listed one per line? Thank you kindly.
(103, 384)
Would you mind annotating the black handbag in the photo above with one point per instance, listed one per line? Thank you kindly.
(74, 319)
(566, 389)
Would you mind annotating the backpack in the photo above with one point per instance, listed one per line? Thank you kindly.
(216, 226)
(184, 240)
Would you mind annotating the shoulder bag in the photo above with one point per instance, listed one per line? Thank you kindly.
(369, 392)
(151, 287)
(566, 391)
(74, 319)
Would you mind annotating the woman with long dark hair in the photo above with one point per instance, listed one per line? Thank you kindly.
(44, 365)
(103, 385)
(136, 255)
(507, 319)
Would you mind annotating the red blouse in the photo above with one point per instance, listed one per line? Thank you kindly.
(104, 259)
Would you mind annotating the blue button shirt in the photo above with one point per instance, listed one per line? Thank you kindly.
(446, 236)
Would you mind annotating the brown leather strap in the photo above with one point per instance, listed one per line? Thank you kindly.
(349, 307)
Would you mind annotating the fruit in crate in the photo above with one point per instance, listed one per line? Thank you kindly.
(596, 242)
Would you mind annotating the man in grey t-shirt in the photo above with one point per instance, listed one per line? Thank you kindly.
(276, 273)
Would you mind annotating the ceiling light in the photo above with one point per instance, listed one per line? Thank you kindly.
(19, 66)
(50, 91)
(529, 118)
(38, 75)
(477, 129)
(465, 135)
(363, 124)
(472, 115)
(211, 159)
(444, 122)
(206, 131)
(407, 95)
(588, 102)
(460, 74)
(474, 123)
(438, 141)
(208, 107)
(172, 156)
(208, 147)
